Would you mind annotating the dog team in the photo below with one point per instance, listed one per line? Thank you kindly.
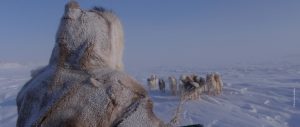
(188, 86)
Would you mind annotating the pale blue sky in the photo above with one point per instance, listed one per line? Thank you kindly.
(164, 32)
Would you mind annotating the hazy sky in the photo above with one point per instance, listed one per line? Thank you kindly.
(164, 32)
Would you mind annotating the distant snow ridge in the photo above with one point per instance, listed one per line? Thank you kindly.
(11, 65)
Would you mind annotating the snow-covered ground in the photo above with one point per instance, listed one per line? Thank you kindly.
(255, 95)
(12, 77)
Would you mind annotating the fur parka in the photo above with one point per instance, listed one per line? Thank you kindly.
(84, 84)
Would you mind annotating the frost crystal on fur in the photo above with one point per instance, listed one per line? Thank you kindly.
(83, 84)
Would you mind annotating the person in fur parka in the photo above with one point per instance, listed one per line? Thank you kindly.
(84, 84)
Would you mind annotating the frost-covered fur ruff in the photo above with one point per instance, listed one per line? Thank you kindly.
(83, 84)
(88, 39)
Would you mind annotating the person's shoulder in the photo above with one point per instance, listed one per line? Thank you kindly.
(120, 78)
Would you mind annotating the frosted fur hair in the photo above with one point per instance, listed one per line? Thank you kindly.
(88, 40)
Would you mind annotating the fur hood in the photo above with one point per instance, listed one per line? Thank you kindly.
(88, 39)
(84, 84)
